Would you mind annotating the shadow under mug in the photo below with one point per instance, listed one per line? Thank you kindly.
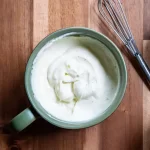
(29, 115)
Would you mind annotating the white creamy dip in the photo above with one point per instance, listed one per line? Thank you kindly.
(75, 78)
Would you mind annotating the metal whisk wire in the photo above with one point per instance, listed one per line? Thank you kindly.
(119, 22)
(113, 13)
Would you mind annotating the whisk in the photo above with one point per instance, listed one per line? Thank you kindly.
(113, 13)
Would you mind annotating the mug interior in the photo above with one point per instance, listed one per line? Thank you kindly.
(121, 86)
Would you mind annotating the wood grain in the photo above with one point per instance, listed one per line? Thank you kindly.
(146, 93)
(40, 20)
(23, 23)
(146, 20)
(16, 46)
(146, 101)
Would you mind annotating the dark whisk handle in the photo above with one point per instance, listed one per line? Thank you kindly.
(131, 45)
(143, 65)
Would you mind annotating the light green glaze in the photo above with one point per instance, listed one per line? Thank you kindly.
(27, 117)
(22, 120)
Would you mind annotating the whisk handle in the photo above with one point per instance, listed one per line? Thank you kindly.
(143, 65)
(131, 45)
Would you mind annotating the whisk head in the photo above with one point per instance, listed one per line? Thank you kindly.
(113, 13)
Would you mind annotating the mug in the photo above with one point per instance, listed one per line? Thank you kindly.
(29, 115)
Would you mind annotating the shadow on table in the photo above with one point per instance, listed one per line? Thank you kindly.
(39, 128)
(146, 140)
(42, 133)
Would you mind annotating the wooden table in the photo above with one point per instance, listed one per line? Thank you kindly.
(23, 23)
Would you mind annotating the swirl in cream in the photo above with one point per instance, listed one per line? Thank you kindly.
(72, 77)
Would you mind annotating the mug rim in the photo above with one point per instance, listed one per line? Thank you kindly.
(108, 111)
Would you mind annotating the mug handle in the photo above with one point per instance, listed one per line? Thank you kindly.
(22, 120)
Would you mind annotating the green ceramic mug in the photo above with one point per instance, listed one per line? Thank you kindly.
(27, 116)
